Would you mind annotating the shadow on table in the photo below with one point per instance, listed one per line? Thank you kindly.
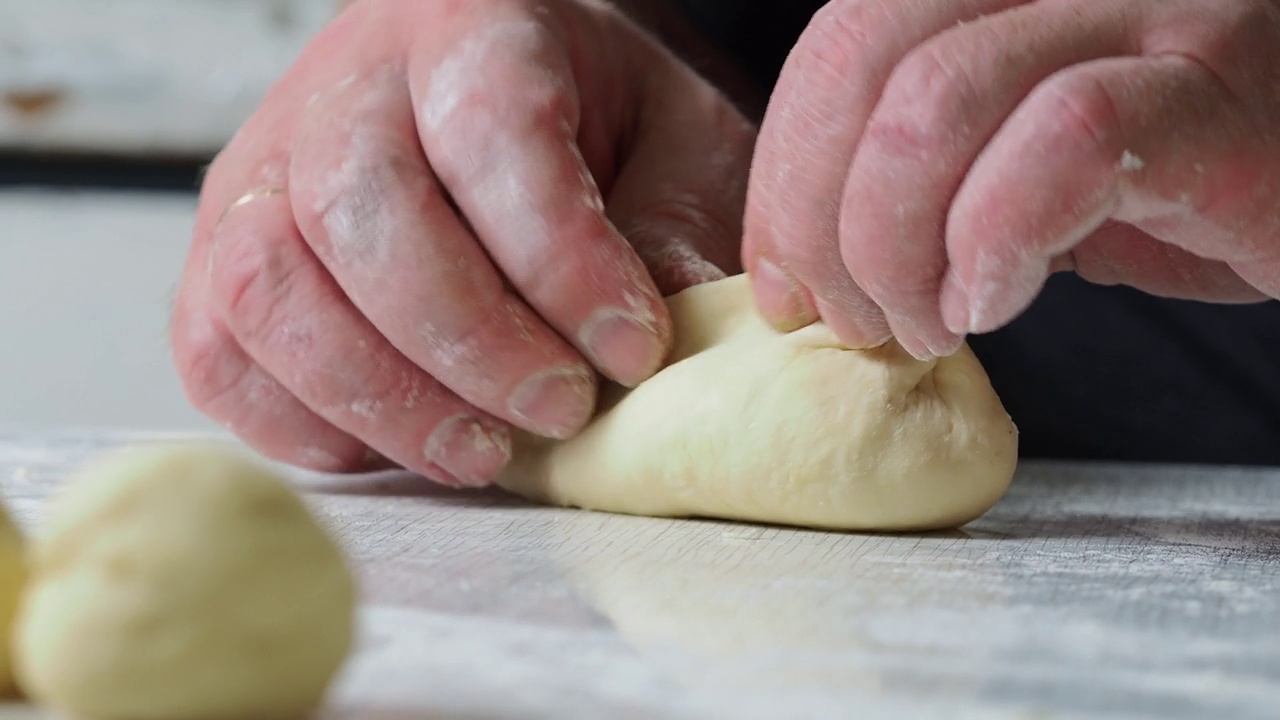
(403, 484)
(398, 483)
(18, 710)
(416, 713)
(1243, 535)
(1256, 537)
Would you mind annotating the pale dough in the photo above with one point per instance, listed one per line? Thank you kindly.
(751, 424)
(13, 574)
(182, 582)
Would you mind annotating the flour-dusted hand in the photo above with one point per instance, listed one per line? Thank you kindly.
(442, 222)
(923, 166)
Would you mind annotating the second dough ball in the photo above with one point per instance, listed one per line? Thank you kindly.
(182, 582)
(13, 574)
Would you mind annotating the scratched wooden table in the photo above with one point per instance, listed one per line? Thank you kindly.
(1088, 592)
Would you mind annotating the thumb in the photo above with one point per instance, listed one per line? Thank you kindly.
(680, 192)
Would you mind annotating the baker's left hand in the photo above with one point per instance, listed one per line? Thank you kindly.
(925, 165)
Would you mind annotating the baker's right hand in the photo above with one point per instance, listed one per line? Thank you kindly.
(442, 222)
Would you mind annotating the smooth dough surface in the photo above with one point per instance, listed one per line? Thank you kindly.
(751, 424)
(182, 582)
(13, 574)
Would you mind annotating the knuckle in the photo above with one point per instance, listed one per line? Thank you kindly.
(542, 105)
(1078, 108)
(500, 74)
(208, 366)
(250, 283)
(926, 102)
(834, 42)
(344, 212)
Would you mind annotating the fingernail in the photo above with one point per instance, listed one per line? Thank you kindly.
(780, 298)
(469, 449)
(620, 345)
(443, 477)
(955, 307)
(931, 342)
(947, 346)
(556, 402)
(928, 349)
(917, 349)
(996, 297)
(871, 331)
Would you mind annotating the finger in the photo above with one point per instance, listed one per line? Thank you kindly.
(218, 378)
(940, 106)
(1118, 253)
(499, 119)
(1155, 142)
(288, 314)
(828, 88)
(678, 199)
(225, 384)
(373, 212)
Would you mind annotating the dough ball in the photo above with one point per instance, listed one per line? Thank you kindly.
(13, 574)
(750, 424)
(182, 582)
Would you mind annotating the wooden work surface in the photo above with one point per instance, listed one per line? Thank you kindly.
(1088, 592)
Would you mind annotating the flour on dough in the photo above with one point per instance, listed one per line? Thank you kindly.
(751, 424)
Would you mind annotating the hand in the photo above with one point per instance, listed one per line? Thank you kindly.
(442, 221)
(923, 166)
